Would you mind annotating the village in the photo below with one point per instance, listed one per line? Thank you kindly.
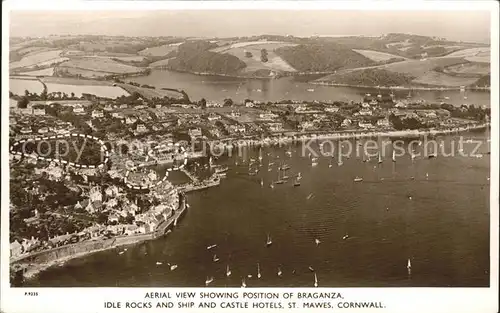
(54, 204)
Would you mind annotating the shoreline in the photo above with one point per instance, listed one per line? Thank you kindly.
(290, 138)
(321, 83)
(31, 270)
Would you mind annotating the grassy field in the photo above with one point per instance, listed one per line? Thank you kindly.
(18, 86)
(472, 54)
(424, 71)
(160, 51)
(37, 58)
(151, 93)
(75, 81)
(45, 72)
(98, 90)
(160, 63)
(440, 79)
(473, 68)
(100, 65)
(254, 63)
(376, 55)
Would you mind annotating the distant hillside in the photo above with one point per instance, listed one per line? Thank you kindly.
(483, 81)
(322, 57)
(371, 77)
(194, 56)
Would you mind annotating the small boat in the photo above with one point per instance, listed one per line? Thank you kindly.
(243, 283)
(173, 267)
(393, 156)
(211, 247)
(310, 90)
(314, 161)
(208, 280)
(216, 259)
(379, 158)
(311, 269)
(285, 167)
(249, 275)
(317, 241)
(432, 155)
(159, 263)
(447, 98)
(345, 237)
(269, 241)
(175, 222)
(121, 252)
(408, 265)
(309, 196)
(409, 198)
(358, 179)
(228, 271)
(279, 272)
(271, 186)
(262, 183)
(221, 175)
(296, 183)
(258, 271)
(315, 280)
(426, 175)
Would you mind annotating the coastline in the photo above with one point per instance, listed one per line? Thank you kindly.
(321, 83)
(294, 137)
(32, 269)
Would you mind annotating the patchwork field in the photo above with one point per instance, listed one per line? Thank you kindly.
(473, 54)
(45, 72)
(100, 65)
(160, 51)
(473, 68)
(254, 63)
(441, 79)
(419, 68)
(98, 90)
(376, 55)
(38, 58)
(18, 86)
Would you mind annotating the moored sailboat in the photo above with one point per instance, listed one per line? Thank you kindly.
(315, 280)
(269, 241)
(228, 271)
(258, 271)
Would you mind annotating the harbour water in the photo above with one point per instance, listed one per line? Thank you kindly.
(216, 88)
(434, 211)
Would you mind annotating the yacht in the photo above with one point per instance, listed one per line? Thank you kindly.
(216, 259)
(269, 242)
(208, 280)
(315, 280)
(358, 179)
(228, 271)
(243, 283)
(211, 247)
(258, 271)
(159, 263)
(345, 237)
(279, 272)
(173, 267)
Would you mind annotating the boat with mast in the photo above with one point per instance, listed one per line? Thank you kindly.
(269, 241)
(228, 271)
(209, 280)
(243, 283)
(279, 181)
(315, 280)
(380, 158)
(314, 161)
(408, 266)
(279, 272)
(215, 258)
(258, 271)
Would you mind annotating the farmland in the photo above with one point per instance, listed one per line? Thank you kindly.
(100, 65)
(100, 91)
(426, 72)
(38, 58)
(160, 51)
(17, 85)
(80, 86)
(254, 63)
(160, 63)
(45, 72)
(377, 56)
(473, 54)
(470, 69)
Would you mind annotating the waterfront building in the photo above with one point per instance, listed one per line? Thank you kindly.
(78, 109)
(16, 249)
(365, 112)
(332, 109)
(213, 117)
(195, 132)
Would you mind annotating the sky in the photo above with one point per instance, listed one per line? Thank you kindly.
(454, 25)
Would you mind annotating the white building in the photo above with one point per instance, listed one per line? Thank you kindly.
(97, 114)
(332, 109)
(141, 128)
(78, 109)
(365, 112)
(275, 127)
(384, 122)
(39, 111)
(195, 132)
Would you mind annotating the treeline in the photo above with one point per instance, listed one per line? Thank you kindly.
(322, 57)
(372, 77)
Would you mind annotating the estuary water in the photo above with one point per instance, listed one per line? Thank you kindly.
(433, 211)
(216, 88)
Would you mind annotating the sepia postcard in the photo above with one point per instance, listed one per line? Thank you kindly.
(259, 156)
